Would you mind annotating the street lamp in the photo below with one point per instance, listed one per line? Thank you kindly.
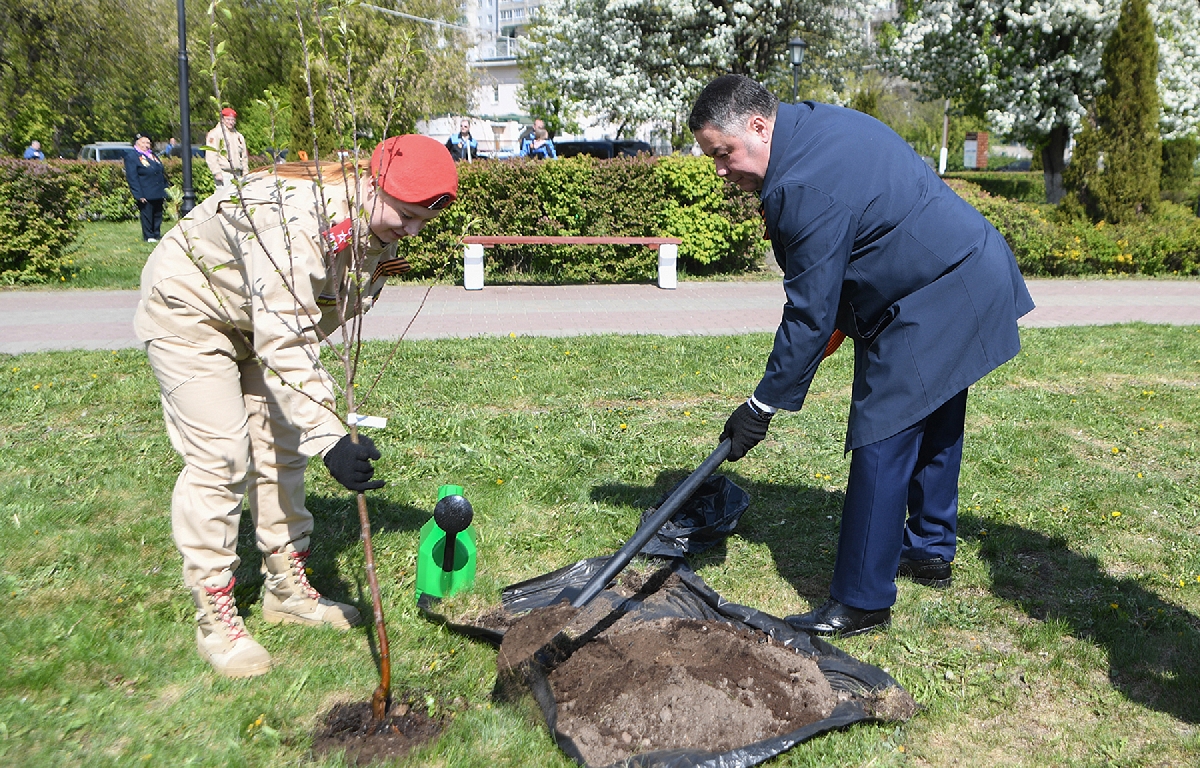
(796, 48)
(185, 114)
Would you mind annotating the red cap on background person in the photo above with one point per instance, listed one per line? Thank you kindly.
(228, 112)
(416, 169)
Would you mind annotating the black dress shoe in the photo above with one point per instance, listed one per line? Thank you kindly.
(934, 572)
(834, 618)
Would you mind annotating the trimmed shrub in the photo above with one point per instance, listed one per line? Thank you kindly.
(1026, 186)
(1167, 243)
(664, 197)
(39, 219)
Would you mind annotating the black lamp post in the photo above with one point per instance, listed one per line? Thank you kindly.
(796, 48)
(185, 115)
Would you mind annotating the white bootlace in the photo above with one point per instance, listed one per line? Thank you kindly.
(299, 564)
(226, 608)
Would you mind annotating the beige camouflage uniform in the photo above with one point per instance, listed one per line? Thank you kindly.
(228, 159)
(239, 429)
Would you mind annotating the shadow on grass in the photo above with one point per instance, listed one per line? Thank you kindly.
(798, 523)
(335, 531)
(1153, 645)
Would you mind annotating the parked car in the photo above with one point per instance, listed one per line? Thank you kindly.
(602, 148)
(105, 150)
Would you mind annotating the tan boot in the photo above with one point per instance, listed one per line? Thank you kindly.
(289, 598)
(221, 637)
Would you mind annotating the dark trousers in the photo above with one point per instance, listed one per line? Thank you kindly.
(151, 211)
(915, 471)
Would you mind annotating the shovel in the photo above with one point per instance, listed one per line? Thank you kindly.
(646, 531)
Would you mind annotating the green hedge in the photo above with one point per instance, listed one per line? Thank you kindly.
(672, 196)
(1026, 186)
(1045, 244)
(105, 193)
(39, 219)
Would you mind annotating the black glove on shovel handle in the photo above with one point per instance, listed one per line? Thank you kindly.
(745, 428)
(350, 463)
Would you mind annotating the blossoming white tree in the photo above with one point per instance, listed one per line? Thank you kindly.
(634, 61)
(1033, 67)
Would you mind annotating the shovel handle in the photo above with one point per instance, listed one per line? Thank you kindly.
(648, 529)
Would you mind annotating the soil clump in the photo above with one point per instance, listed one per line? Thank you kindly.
(684, 684)
(350, 726)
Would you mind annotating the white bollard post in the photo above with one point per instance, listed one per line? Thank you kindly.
(667, 255)
(473, 267)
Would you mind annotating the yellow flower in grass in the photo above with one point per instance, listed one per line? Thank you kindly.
(1116, 450)
(1116, 513)
(624, 426)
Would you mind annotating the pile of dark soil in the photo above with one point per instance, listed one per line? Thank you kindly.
(350, 726)
(684, 684)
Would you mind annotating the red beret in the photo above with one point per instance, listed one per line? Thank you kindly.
(415, 169)
(228, 112)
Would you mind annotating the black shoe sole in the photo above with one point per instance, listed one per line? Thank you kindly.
(853, 633)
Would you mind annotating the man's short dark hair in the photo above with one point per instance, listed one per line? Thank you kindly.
(728, 102)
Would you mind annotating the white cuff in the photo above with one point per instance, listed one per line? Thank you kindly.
(760, 405)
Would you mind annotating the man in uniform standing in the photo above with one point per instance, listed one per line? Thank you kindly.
(873, 245)
(227, 158)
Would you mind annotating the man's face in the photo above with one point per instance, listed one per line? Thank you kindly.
(393, 219)
(539, 125)
(229, 121)
(741, 158)
(465, 128)
(36, 144)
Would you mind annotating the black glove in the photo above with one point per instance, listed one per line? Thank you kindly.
(745, 428)
(350, 464)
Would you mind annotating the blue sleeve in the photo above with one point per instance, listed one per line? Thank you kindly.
(816, 234)
(131, 175)
(551, 152)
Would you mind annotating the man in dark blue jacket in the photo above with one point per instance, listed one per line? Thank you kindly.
(873, 245)
(148, 185)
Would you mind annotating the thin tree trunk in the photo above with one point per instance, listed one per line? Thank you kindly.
(1053, 162)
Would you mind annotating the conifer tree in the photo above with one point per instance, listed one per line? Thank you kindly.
(320, 122)
(1117, 164)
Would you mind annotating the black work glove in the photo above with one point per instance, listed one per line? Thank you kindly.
(745, 428)
(350, 464)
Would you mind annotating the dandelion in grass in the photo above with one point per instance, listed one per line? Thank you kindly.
(499, 481)
(624, 425)
(687, 413)
(1116, 513)
(1114, 606)
(1116, 450)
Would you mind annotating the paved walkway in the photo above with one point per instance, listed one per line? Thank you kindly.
(41, 320)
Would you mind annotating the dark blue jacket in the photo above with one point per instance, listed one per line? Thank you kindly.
(145, 176)
(873, 243)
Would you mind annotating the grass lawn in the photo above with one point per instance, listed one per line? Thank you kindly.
(1071, 635)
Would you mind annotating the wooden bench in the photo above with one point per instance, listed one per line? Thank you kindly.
(473, 245)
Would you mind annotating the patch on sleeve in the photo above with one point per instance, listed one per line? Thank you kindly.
(338, 237)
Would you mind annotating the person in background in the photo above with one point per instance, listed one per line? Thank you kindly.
(236, 352)
(147, 184)
(172, 148)
(462, 145)
(875, 246)
(34, 151)
(228, 158)
(538, 143)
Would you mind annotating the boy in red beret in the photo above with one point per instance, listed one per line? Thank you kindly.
(235, 302)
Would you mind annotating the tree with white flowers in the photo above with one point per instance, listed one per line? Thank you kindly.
(1032, 67)
(630, 62)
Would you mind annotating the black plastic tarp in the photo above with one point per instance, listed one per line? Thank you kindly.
(876, 696)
